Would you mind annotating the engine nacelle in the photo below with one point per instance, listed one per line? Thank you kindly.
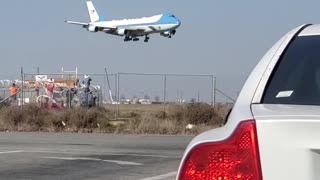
(92, 28)
(122, 32)
(165, 34)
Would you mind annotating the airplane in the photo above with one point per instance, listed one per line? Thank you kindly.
(131, 29)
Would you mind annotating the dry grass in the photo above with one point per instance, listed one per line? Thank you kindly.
(148, 120)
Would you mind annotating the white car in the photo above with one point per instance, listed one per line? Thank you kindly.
(273, 131)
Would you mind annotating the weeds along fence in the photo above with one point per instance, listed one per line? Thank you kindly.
(124, 94)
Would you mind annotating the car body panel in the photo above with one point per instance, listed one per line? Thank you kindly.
(287, 134)
(311, 30)
(288, 137)
(241, 110)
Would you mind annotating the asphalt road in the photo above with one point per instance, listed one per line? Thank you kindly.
(90, 156)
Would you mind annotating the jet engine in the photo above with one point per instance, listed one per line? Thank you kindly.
(92, 28)
(122, 32)
(166, 34)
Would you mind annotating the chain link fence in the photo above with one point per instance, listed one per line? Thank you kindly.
(121, 93)
(160, 91)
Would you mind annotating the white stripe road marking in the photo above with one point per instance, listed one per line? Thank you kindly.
(123, 162)
(70, 151)
(163, 176)
(72, 158)
(9, 152)
(97, 152)
(95, 159)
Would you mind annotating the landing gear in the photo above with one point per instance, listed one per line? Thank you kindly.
(127, 38)
(132, 38)
(168, 34)
(172, 33)
(146, 39)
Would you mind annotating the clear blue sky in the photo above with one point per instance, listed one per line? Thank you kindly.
(224, 38)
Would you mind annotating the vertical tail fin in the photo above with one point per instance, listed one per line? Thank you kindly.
(94, 15)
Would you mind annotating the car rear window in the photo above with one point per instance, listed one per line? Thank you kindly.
(296, 79)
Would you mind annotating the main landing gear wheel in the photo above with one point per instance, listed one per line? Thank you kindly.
(127, 38)
(146, 39)
(135, 39)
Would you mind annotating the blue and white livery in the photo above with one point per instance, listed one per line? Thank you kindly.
(131, 29)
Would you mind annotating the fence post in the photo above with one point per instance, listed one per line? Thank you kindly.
(22, 87)
(115, 92)
(69, 99)
(118, 96)
(108, 83)
(115, 87)
(22, 90)
(164, 95)
(214, 91)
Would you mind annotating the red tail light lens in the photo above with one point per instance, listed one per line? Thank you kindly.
(236, 158)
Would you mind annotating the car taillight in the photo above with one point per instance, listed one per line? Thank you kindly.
(236, 158)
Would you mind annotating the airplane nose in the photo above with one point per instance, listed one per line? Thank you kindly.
(178, 23)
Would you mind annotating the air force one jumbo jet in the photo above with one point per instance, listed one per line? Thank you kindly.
(131, 29)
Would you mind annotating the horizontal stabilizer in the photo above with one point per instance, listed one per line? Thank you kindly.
(77, 23)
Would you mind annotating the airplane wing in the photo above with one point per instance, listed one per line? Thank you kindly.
(133, 31)
(85, 25)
